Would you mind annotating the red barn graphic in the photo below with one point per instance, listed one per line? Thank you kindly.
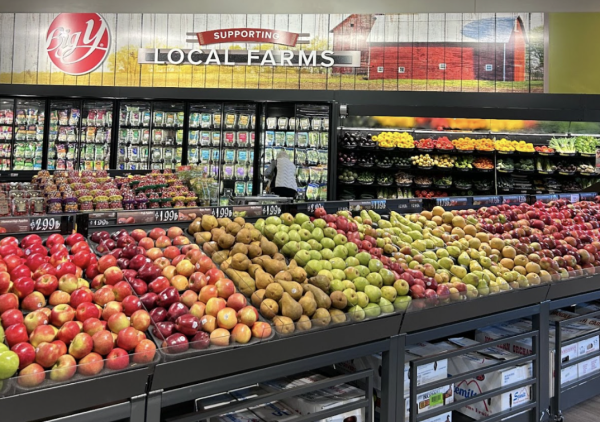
(425, 47)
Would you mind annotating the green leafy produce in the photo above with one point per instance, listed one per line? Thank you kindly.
(586, 144)
(566, 145)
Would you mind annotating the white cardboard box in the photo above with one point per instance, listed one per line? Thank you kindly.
(240, 416)
(435, 398)
(588, 346)
(274, 412)
(444, 417)
(588, 367)
(472, 387)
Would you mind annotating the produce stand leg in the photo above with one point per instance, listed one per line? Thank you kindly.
(138, 408)
(153, 406)
(541, 322)
(392, 377)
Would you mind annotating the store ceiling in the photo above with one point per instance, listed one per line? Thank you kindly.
(305, 6)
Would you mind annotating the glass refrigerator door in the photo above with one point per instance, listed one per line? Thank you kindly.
(133, 146)
(166, 141)
(237, 150)
(310, 153)
(7, 113)
(204, 134)
(96, 128)
(28, 136)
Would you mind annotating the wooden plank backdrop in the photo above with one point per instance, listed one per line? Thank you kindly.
(24, 60)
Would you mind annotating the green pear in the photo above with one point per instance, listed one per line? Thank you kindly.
(340, 251)
(387, 276)
(363, 299)
(327, 274)
(351, 296)
(317, 234)
(356, 313)
(283, 228)
(360, 283)
(351, 273)
(301, 218)
(328, 243)
(313, 267)
(373, 293)
(349, 285)
(340, 239)
(295, 227)
(336, 285)
(304, 245)
(304, 234)
(270, 231)
(363, 258)
(402, 303)
(314, 245)
(302, 257)
(330, 232)
(273, 220)
(402, 287)
(363, 271)
(315, 255)
(352, 248)
(287, 219)
(464, 259)
(352, 262)
(281, 238)
(375, 279)
(320, 223)
(338, 274)
(388, 293)
(375, 265)
(326, 253)
(307, 225)
(294, 236)
(372, 310)
(326, 264)
(338, 263)
(386, 306)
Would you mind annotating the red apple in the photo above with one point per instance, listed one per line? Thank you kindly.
(140, 320)
(81, 345)
(241, 334)
(200, 341)
(41, 334)
(46, 354)
(197, 281)
(207, 292)
(87, 310)
(159, 284)
(11, 317)
(163, 242)
(25, 352)
(118, 322)
(225, 288)
(8, 301)
(104, 295)
(35, 319)
(61, 314)
(91, 364)
(139, 286)
(176, 343)
(220, 337)
(197, 309)
(22, 286)
(248, 315)
(80, 296)
(128, 339)
(138, 234)
(154, 254)
(226, 318)
(121, 290)
(31, 376)
(188, 298)
(92, 326)
(68, 283)
(64, 368)
(261, 329)
(106, 262)
(68, 331)
(103, 342)
(144, 352)
(156, 233)
(46, 284)
(59, 297)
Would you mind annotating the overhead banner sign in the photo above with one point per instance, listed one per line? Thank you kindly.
(244, 35)
(176, 56)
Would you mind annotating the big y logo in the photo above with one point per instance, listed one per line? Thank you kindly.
(78, 43)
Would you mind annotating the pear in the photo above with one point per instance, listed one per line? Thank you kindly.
(337, 316)
(283, 325)
(308, 303)
(321, 318)
(290, 308)
(283, 276)
(273, 266)
(245, 284)
(323, 300)
(240, 262)
(269, 308)
(338, 300)
(293, 288)
(298, 274)
(304, 323)
(257, 297)
(322, 282)
(274, 291)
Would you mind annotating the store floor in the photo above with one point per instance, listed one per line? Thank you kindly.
(584, 412)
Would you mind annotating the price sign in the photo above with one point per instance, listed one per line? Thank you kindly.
(344, 207)
(269, 210)
(486, 200)
(101, 219)
(453, 201)
(546, 198)
(514, 199)
(99, 222)
(573, 197)
(44, 224)
(360, 205)
(312, 207)
(166, 216)
(380, 204)
(222, 212)
(415, 204)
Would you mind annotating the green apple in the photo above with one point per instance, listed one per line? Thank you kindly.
(388, 293)
(373, 293)
(307, 225)
(281, 238)
(402, 303)
(304, 245)
(375, 279)
(283, 228)
(270, 230)
(314, 245)
(351, 273)
(372, 310)
(340, 251)
(328, 243)
(313, 267)
(3, 347)
(273, 220)
(363, 299)
(326, 264)
(294, 236)
(337, 285)
(338, 263)
(305, 234)
(352, 296)
(9, 363)
(351, 261)
(1, 334)
(302, 257)
(315, 255)
(327, 274)
(338, 274)
(386, 306)
(340, 239)
(360, 283)
(363, 258)
(326, 253)
(330, 232)
(295, 227)
(352, 248)
(356, 313)
(363, 271)
(287, 219)
(301, 218)
(320, 223)
(402, 287)
(317, 234)
(375, 265)
(388, 277)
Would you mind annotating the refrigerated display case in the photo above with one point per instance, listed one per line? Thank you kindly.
(7, 110)
(303, 132)
(64, 135)
(96, 135)
(166, 141)
(27, 148)
(134, 135)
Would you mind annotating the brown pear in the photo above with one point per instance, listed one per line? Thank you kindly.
(223, 222)
(210, 248)
(323, 300)
(243, 236)
(216, 233)
(298, 274)
(274, 291)
(321, 318)
(233, 228)
(245, 284)
(321, 281)
(273, 266)
(202, 237)
(268, 248)
(308, 303)
(279, 257)
(248, 226)
(289, 307)
(254, 251)
(337, 316)
(292, 264)
(240, 262)
(338, 300)
(226, 241)
(260, 259)
(269, 308)
(257, 297)
(195, 226)
(239, 220)
(303, 324)
(239, 248)
(283, 275)
(219, 257)
(294, 289)
(226, 264)
(209, 222)
(283, 325)
(255, 235)
(263, 279)
(253, 268)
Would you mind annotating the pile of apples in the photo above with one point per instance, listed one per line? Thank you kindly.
(81, 330)
(156, 238)
(191, 302)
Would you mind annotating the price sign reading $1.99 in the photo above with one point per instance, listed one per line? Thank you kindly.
(222, 212)
(269, 210)
(166, 216)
